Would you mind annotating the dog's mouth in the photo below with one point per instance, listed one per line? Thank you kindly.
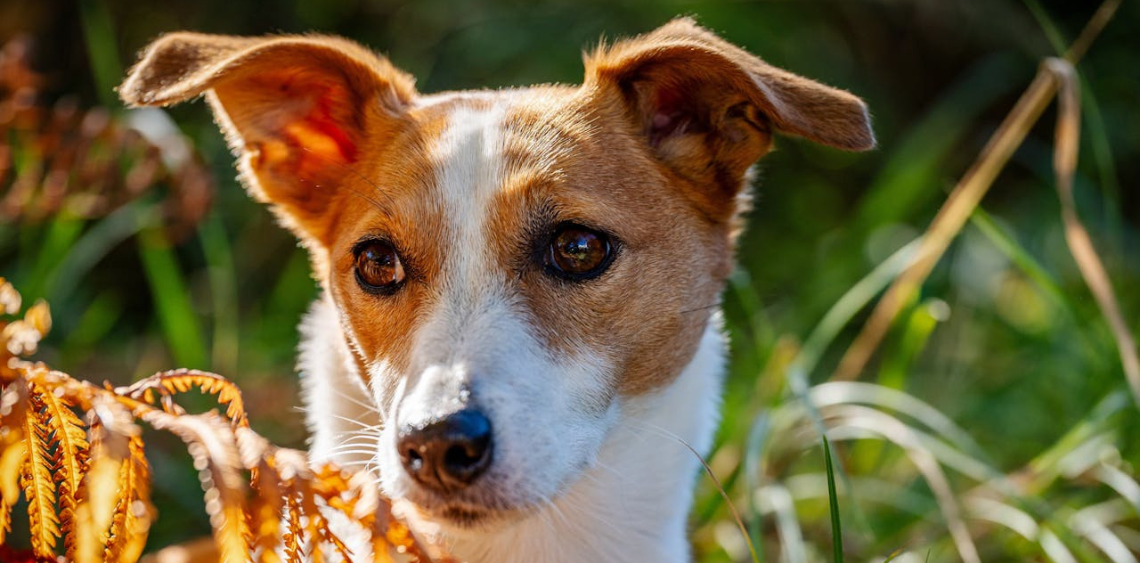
(471, 516)
(470, 511)
(465, 517)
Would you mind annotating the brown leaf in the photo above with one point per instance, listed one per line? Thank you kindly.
(36, 478)
(212, 444)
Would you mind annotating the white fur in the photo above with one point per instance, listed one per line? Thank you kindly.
(630, 506)
(477, 344)
(583, 475)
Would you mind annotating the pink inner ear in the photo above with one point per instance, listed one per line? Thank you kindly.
(321, 135)
(322, 120)
(668, 116)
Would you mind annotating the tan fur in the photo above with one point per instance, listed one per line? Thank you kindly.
(272, 96)
(591, 142)
(653, 148)
(672, 259)
(683, 55)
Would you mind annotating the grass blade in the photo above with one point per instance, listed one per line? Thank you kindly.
(172, 300)
(102, 50)
(833, 501)
(223, 290)
(963, 200)
(1097, 134)
(1080, 243)
(925, 461)
(948, 223)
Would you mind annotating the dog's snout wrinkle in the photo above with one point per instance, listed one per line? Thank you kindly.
(450, 453)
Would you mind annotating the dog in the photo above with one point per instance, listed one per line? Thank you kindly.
(519, 328)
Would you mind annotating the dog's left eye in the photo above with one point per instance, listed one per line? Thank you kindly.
(578, 253)
(378, 267)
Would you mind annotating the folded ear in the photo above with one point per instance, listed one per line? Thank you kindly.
(707, 106)
(297, 109)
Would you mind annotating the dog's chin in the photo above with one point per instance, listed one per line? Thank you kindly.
(468, 516)
(480, 508)
(494, 502)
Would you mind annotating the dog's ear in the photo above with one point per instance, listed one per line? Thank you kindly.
(297, 109)
(707, 107)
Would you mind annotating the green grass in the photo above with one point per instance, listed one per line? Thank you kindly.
(995, 416)
(833, 506)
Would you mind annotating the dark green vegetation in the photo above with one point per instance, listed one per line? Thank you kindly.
(1001, 416)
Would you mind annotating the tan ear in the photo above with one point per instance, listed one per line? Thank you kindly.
(297, 109)
(706, 105)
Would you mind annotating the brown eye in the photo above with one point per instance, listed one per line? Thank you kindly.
(578, 253)
(378, 267)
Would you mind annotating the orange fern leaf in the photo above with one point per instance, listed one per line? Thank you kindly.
(265, 513)
(168, 383)
(38, 316)
(211, 442)
(133, 513)
(101, 484)
(293, 469)
(36, 478)
(331, 488)
(13, 409)
(10, 460)
(70, 457)
(318, 531)
(111, 429)
(9, 298)
(295, 531)
(333, 485)
(96, 511)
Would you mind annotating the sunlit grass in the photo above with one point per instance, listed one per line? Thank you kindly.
(993, 423)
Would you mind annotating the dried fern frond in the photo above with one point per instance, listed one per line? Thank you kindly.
(70, 457)
(164, 385)
(215, 453)
(265, 513)
(104, 484)
(36, 477)
(89, 482)
(83, 163)
(133, 513)
(14, 449)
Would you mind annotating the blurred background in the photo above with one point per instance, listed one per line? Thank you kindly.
(997, 405)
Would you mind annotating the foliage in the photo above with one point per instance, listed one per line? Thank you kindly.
(72, 161)
(995, 404)
(89, 483)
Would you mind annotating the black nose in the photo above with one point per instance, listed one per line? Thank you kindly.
(447, 454)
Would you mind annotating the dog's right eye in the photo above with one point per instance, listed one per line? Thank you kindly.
(378, 267)
(578, 253)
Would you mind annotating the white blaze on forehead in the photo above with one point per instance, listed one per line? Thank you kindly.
(471, 304)
(469, 166)
(476, 345)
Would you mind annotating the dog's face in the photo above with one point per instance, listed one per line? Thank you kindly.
(509, 267)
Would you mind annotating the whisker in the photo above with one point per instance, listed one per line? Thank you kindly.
(708, 470)
(356, 422)
(370, 432)
(354, 452)
(557, 511)
(359, 441)
(356, 401)
(373, 465)
(387, 209)
(357, 446)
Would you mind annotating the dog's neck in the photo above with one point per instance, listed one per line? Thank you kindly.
(631, 506)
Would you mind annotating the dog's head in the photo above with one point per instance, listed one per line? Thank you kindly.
(509, 267)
